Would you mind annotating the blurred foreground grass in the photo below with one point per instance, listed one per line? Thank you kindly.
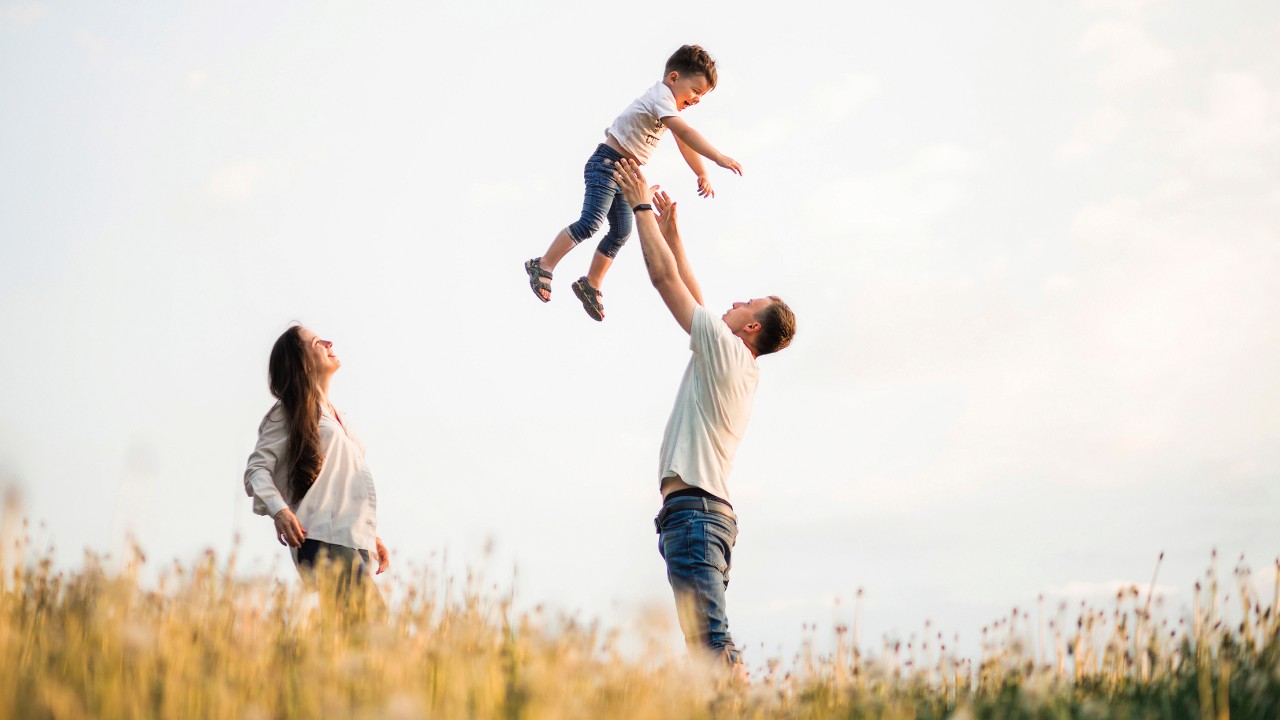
(201, 643)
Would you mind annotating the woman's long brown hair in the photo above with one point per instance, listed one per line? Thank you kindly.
(292, 376)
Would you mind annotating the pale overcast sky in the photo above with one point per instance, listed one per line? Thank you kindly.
(1032, 247)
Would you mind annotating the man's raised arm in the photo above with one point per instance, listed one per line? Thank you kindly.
(671, 233)
(664, 271)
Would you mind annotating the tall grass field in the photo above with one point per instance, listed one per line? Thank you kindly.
(204, 641)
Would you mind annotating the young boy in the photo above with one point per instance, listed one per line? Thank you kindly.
(690, 74)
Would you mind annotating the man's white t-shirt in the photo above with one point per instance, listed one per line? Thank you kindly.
(712, 407)
(640, 126)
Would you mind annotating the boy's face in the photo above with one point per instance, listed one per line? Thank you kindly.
(688, 89)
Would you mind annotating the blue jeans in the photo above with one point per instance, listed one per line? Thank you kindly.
(698, 548)
(350, 590)
(603, 199)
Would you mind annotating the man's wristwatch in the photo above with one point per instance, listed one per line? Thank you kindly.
(642, 206)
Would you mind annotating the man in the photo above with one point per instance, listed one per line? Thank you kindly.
(697, 525)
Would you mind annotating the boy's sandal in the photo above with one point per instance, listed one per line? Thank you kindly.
(590, 298)
(536, 273)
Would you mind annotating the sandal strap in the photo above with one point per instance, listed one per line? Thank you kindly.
(590, 297)
(532, 267)
(589, 289)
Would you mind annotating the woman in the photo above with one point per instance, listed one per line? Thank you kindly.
(308, 470)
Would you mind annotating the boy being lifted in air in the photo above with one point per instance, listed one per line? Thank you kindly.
(689, 75)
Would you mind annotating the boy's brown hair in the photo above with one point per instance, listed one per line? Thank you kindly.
(692, 60)
(777, 327)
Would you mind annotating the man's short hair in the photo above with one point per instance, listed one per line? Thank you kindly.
(777, 327)
(691, 60)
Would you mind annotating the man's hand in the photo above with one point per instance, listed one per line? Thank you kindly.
(288, 530)
(704, 187)
(666, 214)
(669, 226)
(626, 172)
(728, 163)
(663, 257)
(384, 557)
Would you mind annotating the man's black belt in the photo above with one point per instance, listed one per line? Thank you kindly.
(694, 503)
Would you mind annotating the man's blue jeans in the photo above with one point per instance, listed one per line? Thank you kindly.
(698, 548)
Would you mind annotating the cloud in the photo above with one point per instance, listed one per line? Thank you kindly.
(1149, 361)
(21, 15)
(1262, 583)
(838, 101)
(831, 103)
(111, 54)
(1123, 8)
(933, 182)
(1129, 56)
(240, 180)
(495, 194)
(1237, 110)
(1100, 128)
(763, 134)
(1142, 359)
(1146, 357)
(92, 43)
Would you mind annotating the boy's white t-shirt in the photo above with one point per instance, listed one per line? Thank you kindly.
(712, 407)
(640, 126)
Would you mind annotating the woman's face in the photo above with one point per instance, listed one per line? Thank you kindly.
(321, 352)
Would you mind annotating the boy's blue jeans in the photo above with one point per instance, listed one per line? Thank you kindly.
(698, 548)
(603, 200)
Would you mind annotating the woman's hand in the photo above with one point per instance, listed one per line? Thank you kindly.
(635, 188)
(288, 530)
(384, 557)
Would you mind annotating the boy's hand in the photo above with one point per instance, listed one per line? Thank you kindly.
(729, 163)
(704, 187)
(626, 172)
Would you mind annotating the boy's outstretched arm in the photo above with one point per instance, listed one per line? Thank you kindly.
(686, 134)
(695, 164)
(664, 272)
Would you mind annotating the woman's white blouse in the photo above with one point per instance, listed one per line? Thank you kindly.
(341, 506)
